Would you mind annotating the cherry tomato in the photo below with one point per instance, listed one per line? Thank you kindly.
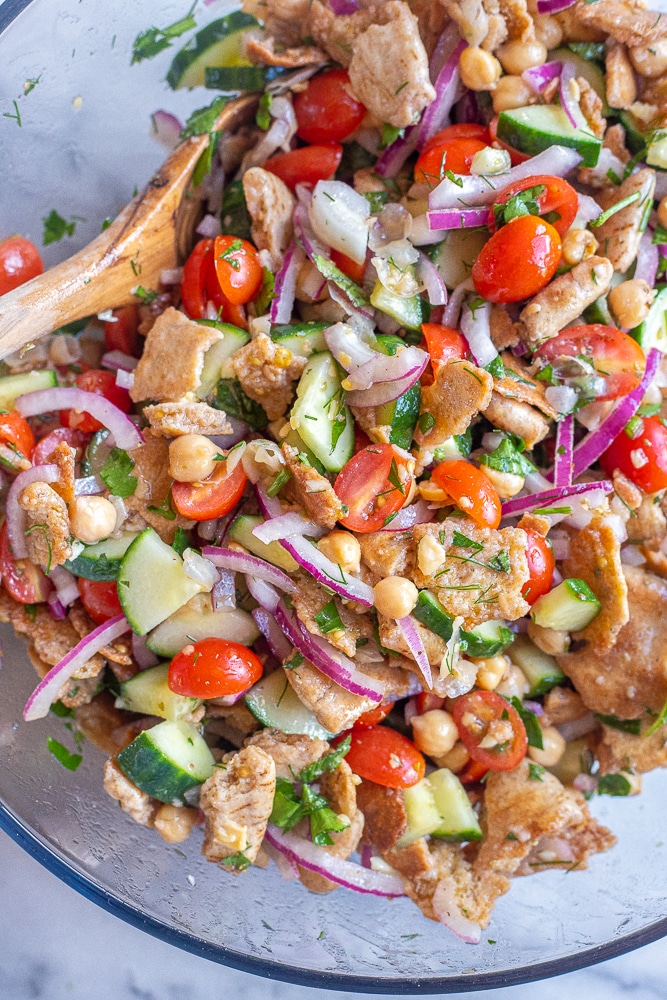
(516, 156)
(641, 457)
(541, 565)
(518, 261)
(465, 130)
(615, 355)
(238, 268)
(200, 286)
(227, 311)
(100, 599)
(102, 383)
(452, 154)
(327, 111)
(211, 498)
(443, 343)
(121, 334)
(558, 197)
(427, 702)
(307, 165)
(214, 668)
(471, 491)
(75, 439)
(25, 582)
(365, 485)
(473, 771)
(375, 715)
(16, 431)
(19, 262)
(348, 266)
(384, 756)
(479, 714)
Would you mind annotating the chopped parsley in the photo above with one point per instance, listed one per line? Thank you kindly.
(395, 479)
(535, 771)
(116, 474)
(56, 228)
(496, 367)
(618, 207)
(377, 200)
(69, 760)
(390, 133)
(500, 562)
(181, 541)
(231, 398)
(165, 509)
(151, 42)
(279, 481)
(237, 861)
(522, 203)
(291, 805)
(294, 662)
(530, 721)
(632, 726)
(509, 457)
(202, 120)
(462, 541)
(328, 619)
(614, 784)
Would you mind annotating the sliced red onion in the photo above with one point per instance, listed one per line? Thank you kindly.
(41, 699)
(209, 227)
(265, 595)
(166, 129)
(89, 486)
(223, 594)
(305, 233)
(577, 727)
(347, 347)
(65, 584)
(282, 130)
(648, 259)
(313, 284)
(429, 275)
(475, 191)
(144, 657)
(564, 445)
(329, 661)
(446, 84)
(586, 783)
(450, 914)
(383, 368)
(119, 361)
(450, 316)
(342, 7)
(568, 103)
(553, 497)
(15, 516)
(538, 77)
(124, 380)
(462, 218)
(553, 6)
(285, 285)
(243, 562)
(416, 647)
(171, 276)
(286, 526)
(588, 207)
(126, 434)
(346, 873)
(394, 156)
(589, 450)
(278, 642)
(287, 868)
(476, 328)
(384, 392)
(56, 607)
(422, 235)
(407, 517)
(200, 569)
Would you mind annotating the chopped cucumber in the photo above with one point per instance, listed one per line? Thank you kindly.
(541, 670)
(438, 805)
(241, 531)
(430, 612)
(196, 621)
(97, 452)
(484, 640)
(102, 560)
(401, 414)
(422, 813)
(293, 439)
(167, 760)
(274, 702)
(13, 386)
(598, 312)
(216, 359)
(407, 312)
(540, 126)
(302, 339)
(457, 253)
(569, 607)
(635, 131)
(148, 692)
(320, 415)
(233, 79)
(657, 151)
(152, 583)
(590, 71)
(218, 44)
(652, 332)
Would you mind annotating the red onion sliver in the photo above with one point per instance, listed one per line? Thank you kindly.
(286, 526)
(382, 368)
(166, 129)
(563, 459)
(394, 156)
(65, 584)
(126, 434)
(15, 516)
(56, 607)
(209, 227)
(568, 102)
(385, 392)
(416, 647)
(265, 595)
(41, 699)
(243, 562)
(143, 656)
(557, 495)
(118, 361)
(278, 642)
(223, 592)
(450, 914)
(462, 218)
(553, 6)
(171, 276)
(436, 115)
(407, 517)
(538, 77)
(348, 348)
(436, 290)
(476, 328)
(342, 7)
(648, 259)
(285, 285)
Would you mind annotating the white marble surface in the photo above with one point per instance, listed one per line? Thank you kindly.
(56, 945)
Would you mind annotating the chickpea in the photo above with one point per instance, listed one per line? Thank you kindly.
(490, 671)
(662, 212)
(549, 640)
(511, 92)
(516, 56)
(395, 596)
(478, 68)
(578, 244)
(64, 349)
(650, 60)
(548, 30)
(434, 732)
(192, 458)
(455, 760)
(175, 823)
(342, 548)
(513, 683)
(554, 748)
(91, 518)
(507, 484)
(630, 302)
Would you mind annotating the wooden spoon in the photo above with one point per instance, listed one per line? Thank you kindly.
(152, 234)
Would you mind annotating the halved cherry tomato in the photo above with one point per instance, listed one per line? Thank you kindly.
(211, 498)
(327, 111)
(427, 702)
(558, 197)
(365, 485)
(16, 431)
(443, 343)
(19, 262)
(471, 491)
(452, 154)
(102, 383)
(464, 130)
(78, 440)
(25, 582)
(238, 268)
(375, 715)
(541, 565)
(382, 755)
(214, 668)
(518, 261)
(641, 457)
(100, 599)
(121, 334)
(348, 266)
(615, 355)
(306, 165)
(516, 156)
(482, 714)
(472, 772)
(200, 286)
(228, 312)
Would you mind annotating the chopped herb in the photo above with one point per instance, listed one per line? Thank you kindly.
(395, 479)
(280, 480)
(545, 511)
(205, 161)
(389, 519)
(476, 303)
(57, 707)
(530, 721)
(165, 510)
(290, 807)
(294, 662)
(228, 255)
(649, 409)
(69, 760)
(116, 474)
(389, 135)
(328, 619)
(151, 42)
(16, 116)
(181, 541)
(511, 836)
(30, 85)
(659, 235)
(614, 784)
(618, 207)
(55, 227)
(660, 720)
(634, 427)
(202, 120)
(535, 771)
(632, 726)
(329, 271)
(231, 398)
(145, 294)
(451, 176)
(500, 562)
(508, 457)
(237, 861)
(462, 541)
(234, 212)
(496, 367)
(464, 442)
(266, 293)
(377, 200)
(522, 203)
(263, 116)
(426, 422)
(329, 762)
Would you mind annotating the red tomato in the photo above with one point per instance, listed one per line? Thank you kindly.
(375, 715)
(516, 157)
(75, 439)
(615, 355)
(327, 111)
(214, 668)
(452, 154)
(227, 311)
(213, 497)
(307, 165)
(102, 383)
(15, 430)
(427, 702)
(384, 756)
(443, 343)
(471, 491)
(541, 565)
(19, 262)
(25, 582)
(121, 334)
(200, 286)
(238, 268)
(642, 457)
(349, 266)
(558, 196)
(100, 599)
(364, 485)
(465, 130)
(479, 714)
(472, 772)
(518, 261)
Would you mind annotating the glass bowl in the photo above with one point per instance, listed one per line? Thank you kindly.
(82, 146)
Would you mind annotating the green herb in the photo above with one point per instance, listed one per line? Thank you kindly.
(238, 861)
(535, 771)
(203, 120)
(267, 292)
(660, 720)
(511, 836)
(530, 721)
(151, 42)
(263, 116)
(62, 711)
(464, 442)
(181, 541)
(618, 207)
(614, 784)
(649, 409)
(496, 367)
(294, 662)
(522, 203)
(395, 479)
(590, 51)
(329, 762)
(234, 212)
(451, 176)
(69, 760)
(16, 116)
(376, 200)
(632, 726)
(116, 474)
(55, 227)
(231, 398)
(476, 303)
(227, 255)
(426, 422)
(546, 511)
(338, 418)
(290, 807)
(30, 85)
(390, 133)
(205, 162)
(634, 427)
(500, 562)
(329, 271)
(328, 619)
(659, 235)
(165, 510)
(508, 457)
(463, 542)
(279, 481)
(146, 295)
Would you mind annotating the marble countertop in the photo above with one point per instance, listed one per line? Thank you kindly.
(54, 944)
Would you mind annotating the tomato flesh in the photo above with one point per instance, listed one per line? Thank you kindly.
(384, 756)
(471, 491)
(616, 357)
(518, 261)
(348, 266)
(558, 197)
(102, 383)
(307, 165)
(100, 599)
(443, 343)
(120, 334)
(375, 715)
(541, 565)
(464, 130)
(327, 111)
(211, 498)
(238, 269)
(641, 457)
(20, 261)
(365, 485)
(214, 668)
(484, 714)
(453, 154)
(17, 432)
(25, 582)
(78, 440)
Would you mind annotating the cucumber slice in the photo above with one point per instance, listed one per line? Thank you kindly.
(320, 415)
(584, 67)
(218, 44)
(539, 126)
(216, 359)
(302, 339)
(569, 607)
(102, 561)
(148, 692)
(598, 312)
(97, 453)
(12, 386)
(241, 530)
(635, 131)
(438, 805)
(653, 331)
(657, 152)
(422, 813)
(274, 702)
(401, 414)
(429, 611)
(233, 79)
(541, 670)
(152, 583)
(167, 760)
(195, 621)
(457, 253)
(487, 639)
(407, 312)
(293, 439)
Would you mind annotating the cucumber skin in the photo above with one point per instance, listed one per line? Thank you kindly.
(528, 139)
(271, 712)
(429, 613)
(163, 782)
(102, 569)
(13, 386)
(195, 49)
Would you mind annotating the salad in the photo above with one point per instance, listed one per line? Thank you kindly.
(347, 543)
